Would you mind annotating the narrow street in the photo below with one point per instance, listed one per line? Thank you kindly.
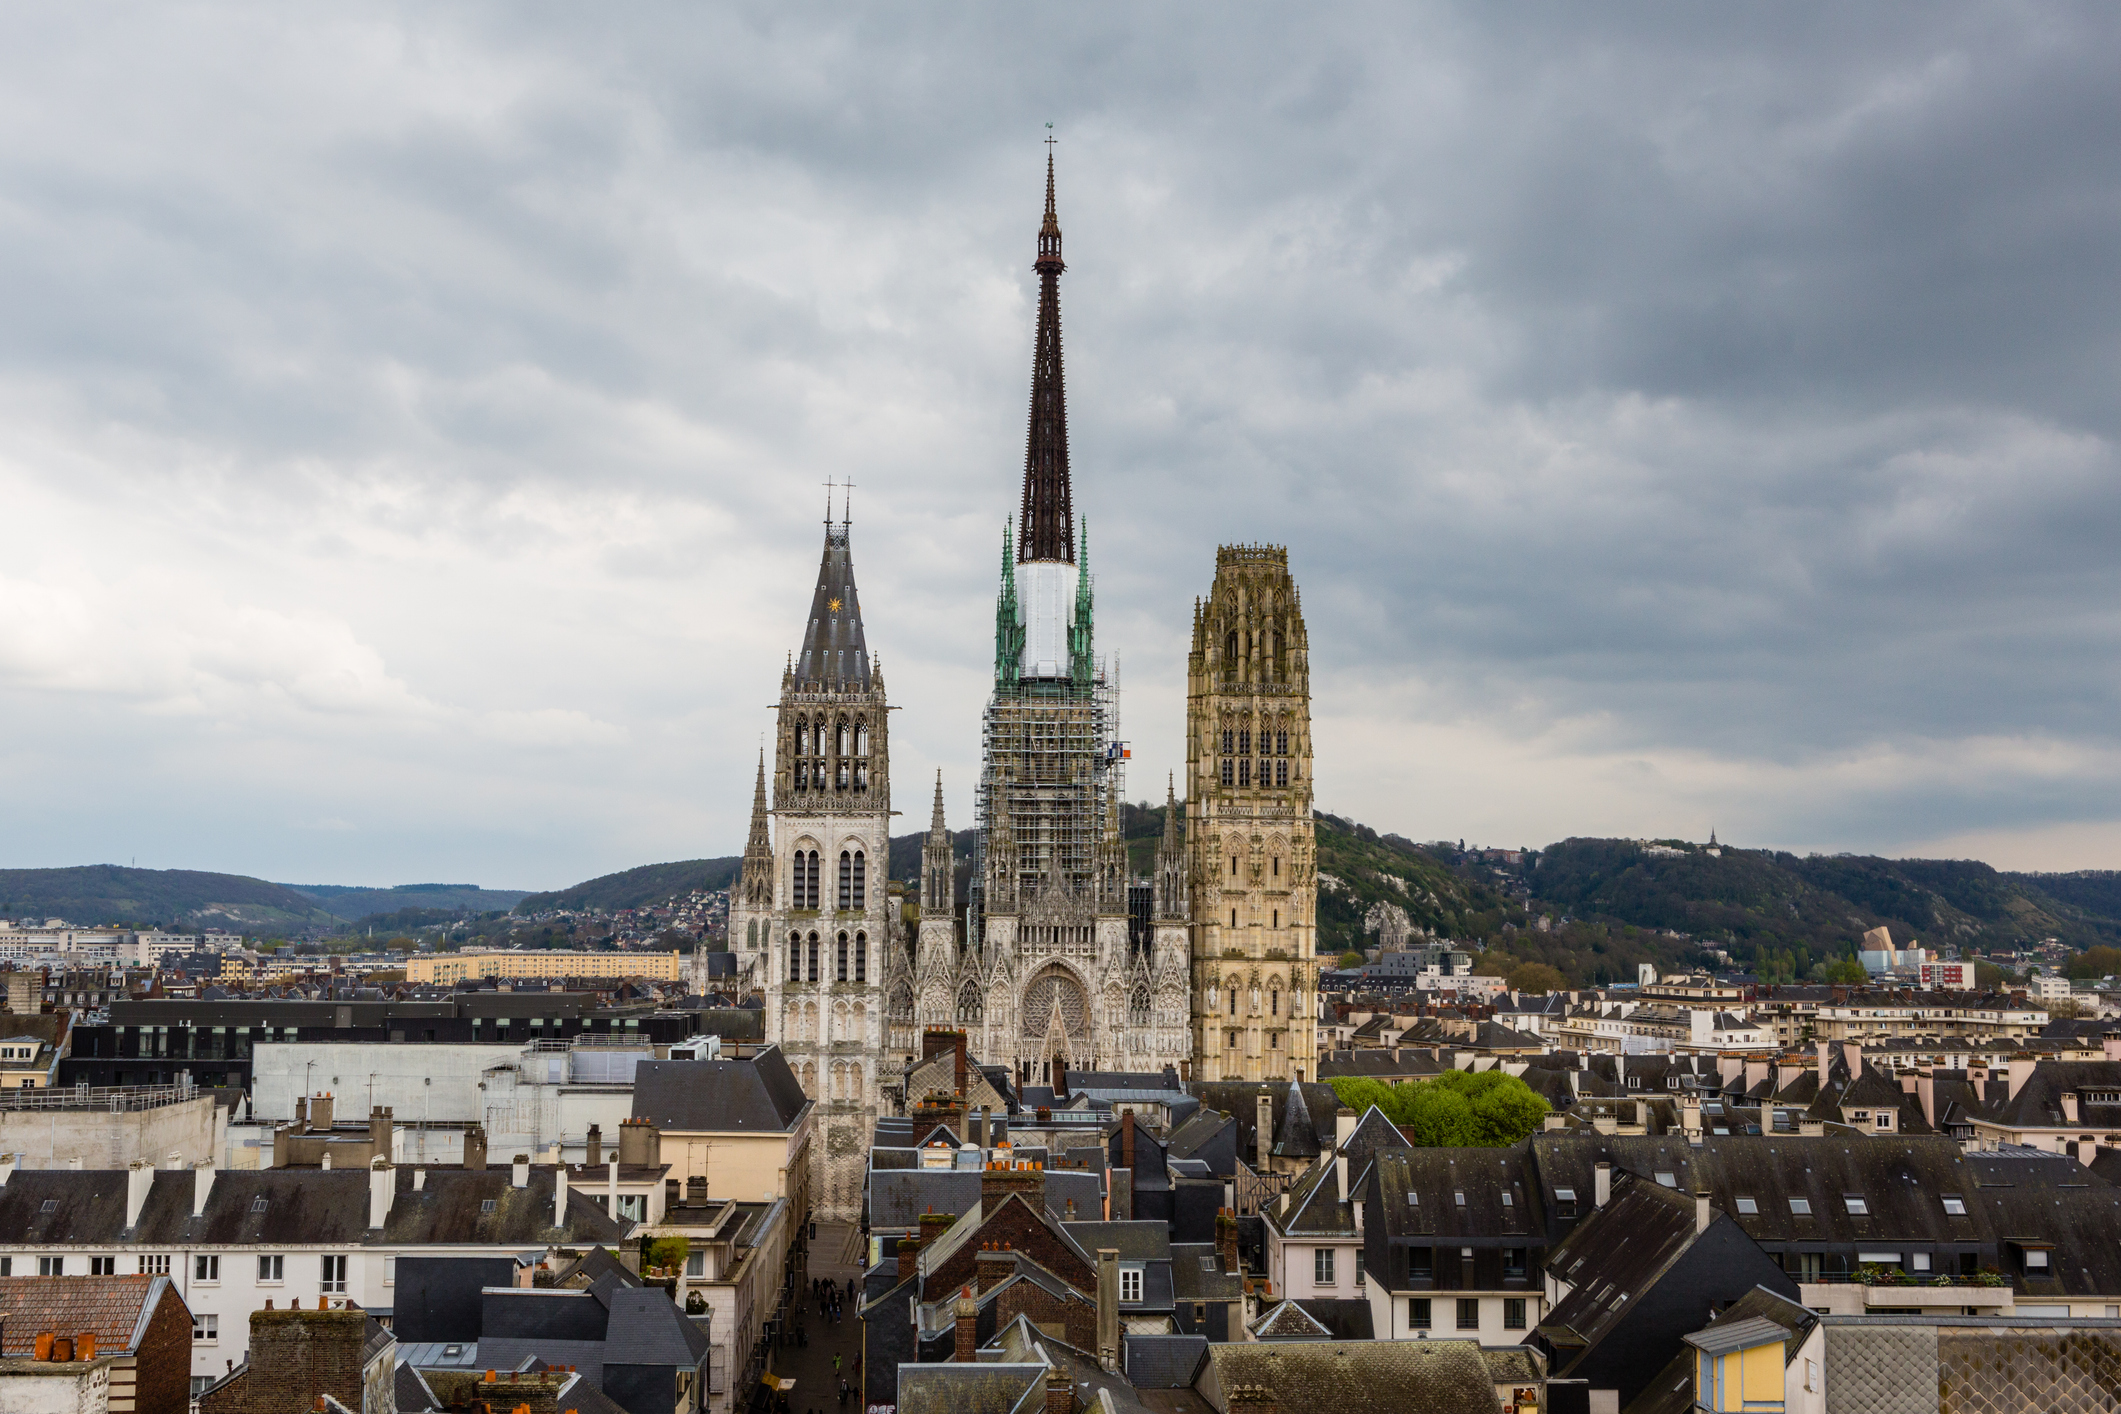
(834, 1257)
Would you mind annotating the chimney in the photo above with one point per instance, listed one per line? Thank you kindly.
(1344, 1122)
(2111, 1042)
(138, 1180)
(62, 1349)
(1852, 1057)
(475, 1147)
(1690, 1117)
(909, 1254)
(520, 1178)
(595, 1156)
(2069, 1106)
(979, 1128)
(1263, 1127)
(2021, 1070)
(320, 1112)
(1108, 1309)
(202, 1186)
(1819, 1049)
(1255, 1399)
(2087, 1150)
(7, 1167)
(382, 1189)
(42, 1349)
(1060, 1398)
(611, 1187)
(967, 1327)
(419, 1180)
(1340, 1174)
(640, 1142)
(993, 1265)
(1702, 1215)
(957, 1047)
(85, 1346)
(1926, 1091)
(1601, 1184)
(1126, 1139)
(559, 1196)
(1226, 1239)
(380, 1125)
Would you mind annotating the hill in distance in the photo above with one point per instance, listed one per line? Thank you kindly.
(358, 904)
(635, 888)
(92, 894)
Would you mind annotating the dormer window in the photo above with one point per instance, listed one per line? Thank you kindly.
(1565, 1202)
(2036, 1259)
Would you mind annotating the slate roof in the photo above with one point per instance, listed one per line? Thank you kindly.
(1357, 1377)
(414, 1397)
(1288, 1321)
(1163, 1361)
(759, 1095)
(1197, 1274)
(1436, 1178)
(984, 1388)
(117, 1309)
(1616, 1256)
(1296, 1136)
(647, 1328)
(1315, 1207)
(299, 1206)
(898, 1197)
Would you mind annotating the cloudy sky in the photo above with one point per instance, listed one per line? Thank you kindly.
(414, 422)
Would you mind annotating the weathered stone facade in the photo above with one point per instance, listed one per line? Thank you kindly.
(811, 917)
(1250, 838)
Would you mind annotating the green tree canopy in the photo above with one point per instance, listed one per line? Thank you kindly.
(1458, 1109)
(2095, 962)
(1351, 959)
(1535, 977)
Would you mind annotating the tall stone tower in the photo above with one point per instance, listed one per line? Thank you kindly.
(1049, 970)
(1250, 840)
(827, 949)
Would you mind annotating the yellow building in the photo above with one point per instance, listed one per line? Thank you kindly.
(25, 1063)
(457, 966)
(1761, 1356)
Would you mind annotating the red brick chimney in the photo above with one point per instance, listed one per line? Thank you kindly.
(998, 1180)
(1226, 1238)
(967, 1327)
(1126, 1139)
(1060, 1398)
(993, 1265)
(1253, 1399)
(909, 1255)
(1060, 1078)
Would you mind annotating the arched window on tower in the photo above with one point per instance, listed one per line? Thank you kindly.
(1230, 654)
(1229, 771)
(839, 971)
(795, 957)
(1281, 743)
(1229, 740)
(813, 957)
(1244, 772)
(1281, 773)
(751, 935)
(802, 775)
(861, 880)
(845, 742)
(861, 775)
(861, 739)
(861, 957)
(1244, 742)
(840, 781)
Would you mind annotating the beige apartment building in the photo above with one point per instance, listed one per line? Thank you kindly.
(444, 968)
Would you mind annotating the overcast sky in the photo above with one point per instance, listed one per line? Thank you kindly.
(413, 423)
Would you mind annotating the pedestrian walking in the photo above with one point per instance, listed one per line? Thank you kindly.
(835, 1362)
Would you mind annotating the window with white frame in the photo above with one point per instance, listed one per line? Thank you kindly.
(154, 1264)
(1322, 1266)
(333, 1274)
(1130, 1283)
(205, 1266)
(51, 1266)
(390, 1271)
(205, 1325)
(272, 1269)
(103, 1266)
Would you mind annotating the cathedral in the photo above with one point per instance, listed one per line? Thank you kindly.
(1060, 957)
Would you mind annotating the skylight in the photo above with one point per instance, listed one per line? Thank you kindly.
(1954, 1205)
(1748, 1207)
(1667, 1179)
(1857, 1205)
(1802, 1207)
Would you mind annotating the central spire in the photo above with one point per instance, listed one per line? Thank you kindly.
(1046, 528)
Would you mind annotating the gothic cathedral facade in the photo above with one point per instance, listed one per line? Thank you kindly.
(1252, 846)
(811, 918)
(1057, 966)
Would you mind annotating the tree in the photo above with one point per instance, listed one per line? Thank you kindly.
(1535, 977)
(2094, 963)
(668, 1253)
(1458, 1109)
(1844, 971)
(1351, 959)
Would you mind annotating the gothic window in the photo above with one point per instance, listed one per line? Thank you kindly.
(1230, 654)
(1227, 771)
(813, 957)
(840, 971)
(751, 935)
(1244, 742)
(1244, 772)
(846, 880)
(861, 739)
(1228, 738)
(802, 736)
(795, 957)
(844, 742)
(1273, 1003)
(861, 879)
(1277, 866)
(861, 957)
(802, 775)
(1281, 743)
(842, 779)
(1233, 990)
(968, 1004)
(1281, 773)
(861, 775)
(1233, 866)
